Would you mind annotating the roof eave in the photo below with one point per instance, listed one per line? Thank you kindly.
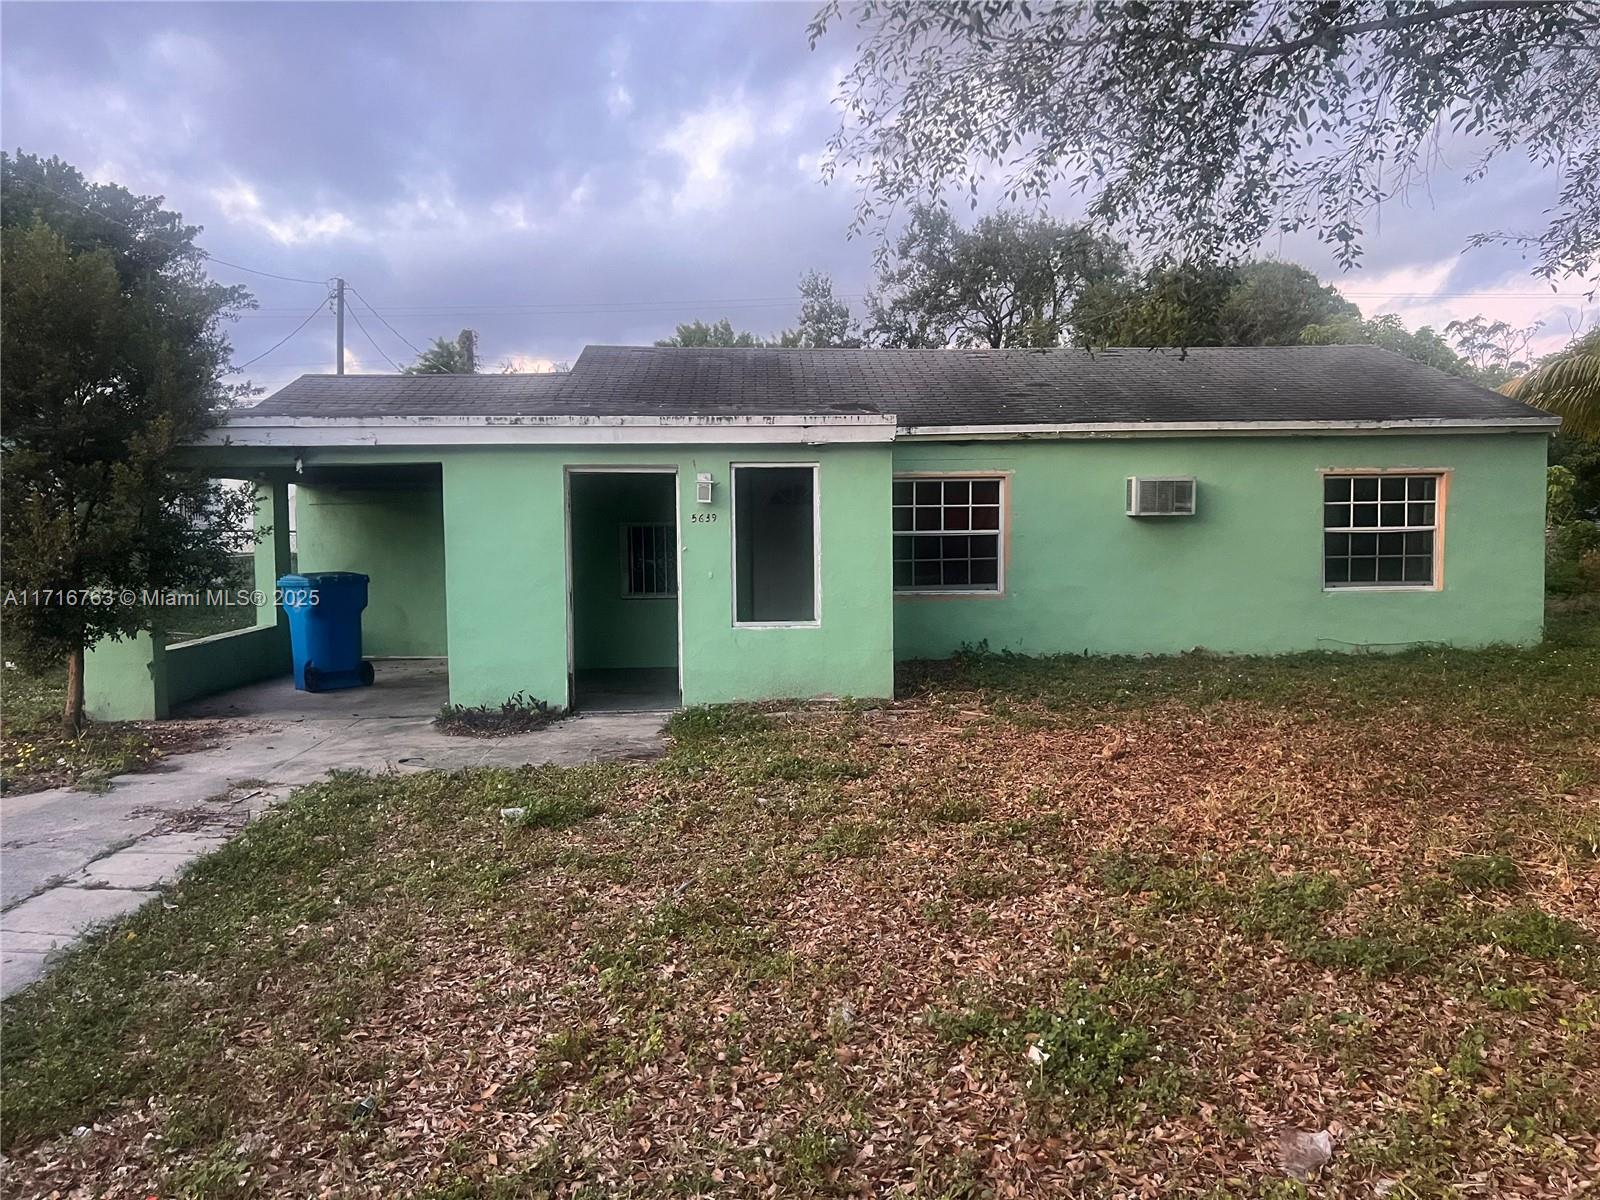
(545, 429)
(1167, 429)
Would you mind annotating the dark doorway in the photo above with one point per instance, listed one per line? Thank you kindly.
(623, 532)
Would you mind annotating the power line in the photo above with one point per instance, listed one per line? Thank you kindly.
(309, 317)
(382, 318)
(600, 308)
(266, 274)
(356, 317)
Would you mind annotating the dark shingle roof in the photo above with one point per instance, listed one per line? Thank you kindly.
(410, 396)
(935, 387)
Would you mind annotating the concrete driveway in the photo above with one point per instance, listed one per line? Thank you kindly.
(70, 860)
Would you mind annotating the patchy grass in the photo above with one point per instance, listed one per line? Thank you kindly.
(35, 753)
(1072, 928)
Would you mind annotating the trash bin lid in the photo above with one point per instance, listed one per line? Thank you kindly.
(321, 578)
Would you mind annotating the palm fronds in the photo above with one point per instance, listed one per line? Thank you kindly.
(1566, 384)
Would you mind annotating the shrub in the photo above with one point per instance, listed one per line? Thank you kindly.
(520, 713)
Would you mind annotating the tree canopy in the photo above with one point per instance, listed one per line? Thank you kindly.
(1010, 280)
(825, 320)
(445, 356)
(1198, 129)
(1253, 304)
(722, 333)
(112, 356)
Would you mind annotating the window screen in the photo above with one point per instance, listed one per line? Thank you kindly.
(648, 566)
(1379, 530)
(775, 545)
(947, 535)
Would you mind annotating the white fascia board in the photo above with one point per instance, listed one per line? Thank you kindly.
(1138, 429)
(800, 429)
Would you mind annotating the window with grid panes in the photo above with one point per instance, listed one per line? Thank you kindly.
(1379, 530)
(947, 534)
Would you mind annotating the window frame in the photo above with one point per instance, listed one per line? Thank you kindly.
(1441, 477)
(1002, 535)
(816, 543)
(623, 532)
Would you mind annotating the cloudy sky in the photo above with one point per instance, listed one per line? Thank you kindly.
(554, 174)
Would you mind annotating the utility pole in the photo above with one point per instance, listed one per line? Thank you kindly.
(338, 324)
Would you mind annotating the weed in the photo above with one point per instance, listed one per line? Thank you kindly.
(1291, 906)
(1534, 932)
(1480, 873)
(713, 722)
(1081, 1049)
(850, 839)
(519, 713)
(956, 811)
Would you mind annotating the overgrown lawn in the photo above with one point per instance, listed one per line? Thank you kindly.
(1062, 927)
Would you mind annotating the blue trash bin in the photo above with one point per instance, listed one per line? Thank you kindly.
(324, 610)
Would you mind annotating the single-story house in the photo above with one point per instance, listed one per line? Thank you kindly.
(740, 524)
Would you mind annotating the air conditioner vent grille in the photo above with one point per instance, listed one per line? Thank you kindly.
(1161, 496)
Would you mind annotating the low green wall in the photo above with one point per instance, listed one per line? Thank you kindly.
(1244, 575)
(393, 535)
(214, 664)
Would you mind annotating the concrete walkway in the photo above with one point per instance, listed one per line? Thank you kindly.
(70, 860)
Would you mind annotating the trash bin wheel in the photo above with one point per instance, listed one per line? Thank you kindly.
(367, 675)
(313, 679)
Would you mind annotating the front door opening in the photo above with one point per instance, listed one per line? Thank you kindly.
(624, 545)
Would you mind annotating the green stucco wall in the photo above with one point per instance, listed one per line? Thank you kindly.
(610, 629)
(505, 525)
(395, 535)
(1245, 573)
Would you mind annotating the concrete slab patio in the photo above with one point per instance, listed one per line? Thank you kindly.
(70, 860)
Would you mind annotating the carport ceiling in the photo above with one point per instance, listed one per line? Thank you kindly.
(398, 477)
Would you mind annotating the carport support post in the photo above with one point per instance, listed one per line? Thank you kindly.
(272, 551)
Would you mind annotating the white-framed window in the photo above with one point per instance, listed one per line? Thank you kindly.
(777, 577)
(1380, 529)
(948, 533)
(649, 565)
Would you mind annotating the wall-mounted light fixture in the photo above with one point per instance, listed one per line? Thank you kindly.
(702, 488)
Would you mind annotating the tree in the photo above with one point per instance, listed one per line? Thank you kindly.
(111, 360)
(825, 320)
(1389, 332)
(1256, 304)
(1495, 349)
(445, 357)
(698, 333)
(1271, 302)
(1010, 280)
(1201, 128)
(1567, 383)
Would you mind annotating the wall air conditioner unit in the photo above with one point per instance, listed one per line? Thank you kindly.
(1161, 495)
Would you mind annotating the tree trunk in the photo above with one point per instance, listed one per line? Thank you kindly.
(72, 715)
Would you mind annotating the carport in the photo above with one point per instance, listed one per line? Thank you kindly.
(383, 519)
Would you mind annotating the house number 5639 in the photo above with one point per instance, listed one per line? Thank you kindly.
(705, 518)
